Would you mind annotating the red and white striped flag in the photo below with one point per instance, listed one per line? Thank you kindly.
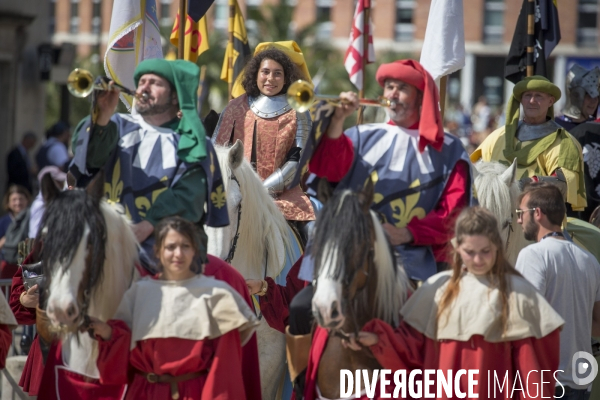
(356, 51)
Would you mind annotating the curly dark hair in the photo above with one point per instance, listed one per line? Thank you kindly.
(291, 72)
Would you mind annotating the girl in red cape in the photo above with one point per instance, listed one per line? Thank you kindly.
(178, 336)
(482, 314)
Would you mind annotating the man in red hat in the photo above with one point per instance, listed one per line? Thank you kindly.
(422, 176)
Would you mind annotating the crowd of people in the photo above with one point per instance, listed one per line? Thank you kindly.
(186, 328)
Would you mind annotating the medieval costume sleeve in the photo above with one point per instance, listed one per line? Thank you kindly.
(33, 370)
(275, 304)
(24, 315)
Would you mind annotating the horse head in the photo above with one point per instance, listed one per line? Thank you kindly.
(498, 190)
(357, 278)
(76, 250)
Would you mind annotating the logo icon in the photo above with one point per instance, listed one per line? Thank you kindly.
(585, 368)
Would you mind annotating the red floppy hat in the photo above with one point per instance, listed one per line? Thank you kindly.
(431, 130)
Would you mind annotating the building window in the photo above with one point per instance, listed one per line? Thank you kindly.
(587, 26)
(323, 19)
(52, 17)
(165, 13)
(75, 20)
(405, 28)
(493, 21)
(96, 16)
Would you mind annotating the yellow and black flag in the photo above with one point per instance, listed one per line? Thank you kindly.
(196, 33)
(544, 39)
(238, 49)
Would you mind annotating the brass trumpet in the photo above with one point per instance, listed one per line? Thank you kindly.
(301, 96)
(81, 83)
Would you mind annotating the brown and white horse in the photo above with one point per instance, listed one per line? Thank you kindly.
(357, 279)
(89, 254)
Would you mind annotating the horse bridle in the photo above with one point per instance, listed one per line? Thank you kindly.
(235, 238)
(369, 258)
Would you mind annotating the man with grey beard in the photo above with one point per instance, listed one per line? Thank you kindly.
(157, 160)
(566, 275)
(422, 175)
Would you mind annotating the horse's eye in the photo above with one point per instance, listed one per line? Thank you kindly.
(506, 224)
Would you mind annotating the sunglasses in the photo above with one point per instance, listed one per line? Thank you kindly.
(520, 212)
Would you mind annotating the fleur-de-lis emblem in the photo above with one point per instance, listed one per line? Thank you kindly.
(218, 197)
(114, 188)
(403, 211)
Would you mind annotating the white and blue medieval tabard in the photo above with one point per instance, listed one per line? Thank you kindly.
(144, 164)
(407, 183)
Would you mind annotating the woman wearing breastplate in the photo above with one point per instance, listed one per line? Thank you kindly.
(272, 132)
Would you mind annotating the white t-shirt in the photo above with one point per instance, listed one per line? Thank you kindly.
(569, 278)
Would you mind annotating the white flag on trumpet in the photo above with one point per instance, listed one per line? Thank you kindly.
(444, 47)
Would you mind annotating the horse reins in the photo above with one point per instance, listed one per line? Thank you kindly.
(237, 228)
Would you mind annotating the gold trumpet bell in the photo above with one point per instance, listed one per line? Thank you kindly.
(80, 82)
(300, 95)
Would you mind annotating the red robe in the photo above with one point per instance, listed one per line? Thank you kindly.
(78, 385)
(274, 306)
(31, 377)
(220, 358)
(436, 228)
(405, 348)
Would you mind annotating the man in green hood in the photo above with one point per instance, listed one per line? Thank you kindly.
(543, 149)
(155, 159)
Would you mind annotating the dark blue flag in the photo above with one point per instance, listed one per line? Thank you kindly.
(197, 8)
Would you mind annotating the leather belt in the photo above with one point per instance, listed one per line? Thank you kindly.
(170, 379)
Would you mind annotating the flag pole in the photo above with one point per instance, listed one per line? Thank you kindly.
(365, 55)
(530, 35)
(181, 29)
(230, 46)
(201, 87)
(443, 84)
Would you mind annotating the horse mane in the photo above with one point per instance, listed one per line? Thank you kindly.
(392, 282)
(342, 225)
(62, 228)
(122, 254)
(260, 219)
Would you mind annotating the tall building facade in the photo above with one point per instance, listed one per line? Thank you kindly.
(399, 25)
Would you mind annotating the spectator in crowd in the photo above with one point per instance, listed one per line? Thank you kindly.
(567, 276)
(55, 151)
(19, 165)
(481, 115)
(16, 199)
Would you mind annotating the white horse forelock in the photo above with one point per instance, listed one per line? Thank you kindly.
(262, 225)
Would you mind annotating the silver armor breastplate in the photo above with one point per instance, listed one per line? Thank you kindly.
(269, 107)
(526, 132)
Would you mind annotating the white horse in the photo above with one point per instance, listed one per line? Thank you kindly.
(497, 190)
(89, 259)
(262, 244)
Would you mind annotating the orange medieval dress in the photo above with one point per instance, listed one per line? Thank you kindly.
(274, 138)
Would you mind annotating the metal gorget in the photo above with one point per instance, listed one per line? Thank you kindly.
(269, 107)
(526, 132)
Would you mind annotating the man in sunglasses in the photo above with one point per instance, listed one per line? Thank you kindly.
(567, 276)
